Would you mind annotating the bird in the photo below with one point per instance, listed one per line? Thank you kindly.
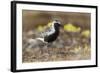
(51, 34)
(47, 36)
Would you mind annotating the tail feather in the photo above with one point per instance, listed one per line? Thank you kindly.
(41, 39)
(34, 42)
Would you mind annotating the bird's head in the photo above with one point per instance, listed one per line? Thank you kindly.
(56, 24)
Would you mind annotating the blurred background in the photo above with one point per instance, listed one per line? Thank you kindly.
(32, 19)
(73, 42)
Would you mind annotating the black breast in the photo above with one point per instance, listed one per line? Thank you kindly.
(51, 37)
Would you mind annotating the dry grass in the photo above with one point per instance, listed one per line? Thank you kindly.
(60, 50)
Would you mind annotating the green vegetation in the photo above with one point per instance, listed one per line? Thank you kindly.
(71, 28)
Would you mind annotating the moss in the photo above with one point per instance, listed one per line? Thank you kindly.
(71, 28)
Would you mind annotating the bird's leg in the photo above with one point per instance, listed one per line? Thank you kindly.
(49, 46)
(46, 48)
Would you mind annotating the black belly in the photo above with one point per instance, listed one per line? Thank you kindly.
(52, 37)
